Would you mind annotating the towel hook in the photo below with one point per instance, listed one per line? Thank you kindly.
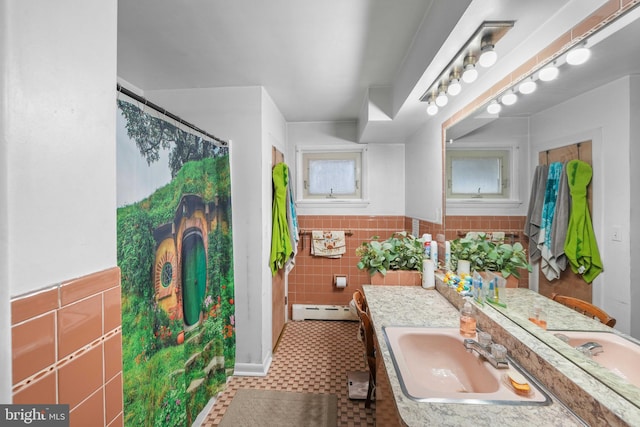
(578, 146)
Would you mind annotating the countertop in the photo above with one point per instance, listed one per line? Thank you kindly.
(561, 318)
(415, 306)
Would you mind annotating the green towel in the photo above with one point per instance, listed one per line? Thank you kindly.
(581, 247)
(281, 248)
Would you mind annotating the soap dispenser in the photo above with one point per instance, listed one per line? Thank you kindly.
(467, 320)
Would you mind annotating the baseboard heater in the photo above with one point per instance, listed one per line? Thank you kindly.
(322, 312)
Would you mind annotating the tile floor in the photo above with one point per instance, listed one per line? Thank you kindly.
(312, 357)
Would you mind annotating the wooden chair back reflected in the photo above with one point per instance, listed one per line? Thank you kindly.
(370, 351)
(585, 308)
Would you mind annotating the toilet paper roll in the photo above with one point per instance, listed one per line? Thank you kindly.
(341, 281)
(428, 274)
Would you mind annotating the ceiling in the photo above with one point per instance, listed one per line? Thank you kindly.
(318, 60)
(315, 58)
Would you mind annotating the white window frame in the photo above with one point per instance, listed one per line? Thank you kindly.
(511, 199)
(303, 153)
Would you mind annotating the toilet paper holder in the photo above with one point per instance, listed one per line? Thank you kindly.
(340, 280)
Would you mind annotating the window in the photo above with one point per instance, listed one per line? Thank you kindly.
(331, 174)
(478, 174)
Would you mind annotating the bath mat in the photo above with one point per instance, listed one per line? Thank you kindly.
(270, 408)
(358, 382)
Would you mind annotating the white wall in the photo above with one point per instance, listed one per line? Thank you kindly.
(423, 173)
(5, 300)
(57, 127)
(274, 134)
(603, 116)
(386, 166)
(503, 133)
(247, 117)
(634, 229)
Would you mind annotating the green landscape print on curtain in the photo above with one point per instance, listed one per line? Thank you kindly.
(176, 261)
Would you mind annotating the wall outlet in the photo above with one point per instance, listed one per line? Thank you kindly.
(616, 234)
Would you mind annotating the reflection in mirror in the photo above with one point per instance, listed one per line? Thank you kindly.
(475, 174)
(612, 358)
(591, 102)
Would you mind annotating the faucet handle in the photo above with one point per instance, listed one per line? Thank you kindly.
(484, 338)
(498, 351)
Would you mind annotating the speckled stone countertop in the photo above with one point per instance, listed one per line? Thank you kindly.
(560, 318)
(415, 306)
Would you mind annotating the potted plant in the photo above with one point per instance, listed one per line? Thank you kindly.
(486, 255)
(387, 260)
(471, 250)
(507, 259)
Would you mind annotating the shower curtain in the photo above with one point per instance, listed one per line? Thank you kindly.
(176, 260)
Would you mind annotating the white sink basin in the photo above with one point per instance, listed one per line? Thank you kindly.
(433, 365)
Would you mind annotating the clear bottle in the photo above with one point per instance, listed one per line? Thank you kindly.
(467, 321)
(538, 317)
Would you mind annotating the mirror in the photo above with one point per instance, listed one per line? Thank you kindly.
(614, 55)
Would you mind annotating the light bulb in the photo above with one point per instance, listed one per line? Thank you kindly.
(488, 57)
(578, 56)
(442, 99)
(432, 109)
(549, 73)
(494, 107)
(470, 74)
(527, 87)
(509, 98)
(454, 87)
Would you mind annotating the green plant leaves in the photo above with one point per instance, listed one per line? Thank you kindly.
(486, 255)
(401, 251)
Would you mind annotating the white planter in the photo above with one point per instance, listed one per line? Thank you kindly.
(464, 267)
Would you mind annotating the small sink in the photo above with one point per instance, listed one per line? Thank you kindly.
(433, 365)
(618, 354)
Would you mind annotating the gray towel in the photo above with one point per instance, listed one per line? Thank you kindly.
(534, 214)
(548, 213)
(556, 262)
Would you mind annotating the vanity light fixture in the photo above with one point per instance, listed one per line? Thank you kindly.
(488, 55)
(470, 73)
(463, 64)
(578, 55)
(509, 98)
(494, 107)
(454, 83)
(441, 99)
(548, 73)
(528, 86)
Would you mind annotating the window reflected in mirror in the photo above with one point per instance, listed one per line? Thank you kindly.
(478, 174)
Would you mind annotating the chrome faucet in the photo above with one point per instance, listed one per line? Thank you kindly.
(592, 347)
(498, 362)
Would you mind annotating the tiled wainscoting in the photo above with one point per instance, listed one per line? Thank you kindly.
(460, 225)
(67, 348)
(311, 281)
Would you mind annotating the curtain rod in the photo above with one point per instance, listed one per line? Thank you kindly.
(159, 109)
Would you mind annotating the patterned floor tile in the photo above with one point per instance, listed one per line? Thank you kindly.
(312, 357)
